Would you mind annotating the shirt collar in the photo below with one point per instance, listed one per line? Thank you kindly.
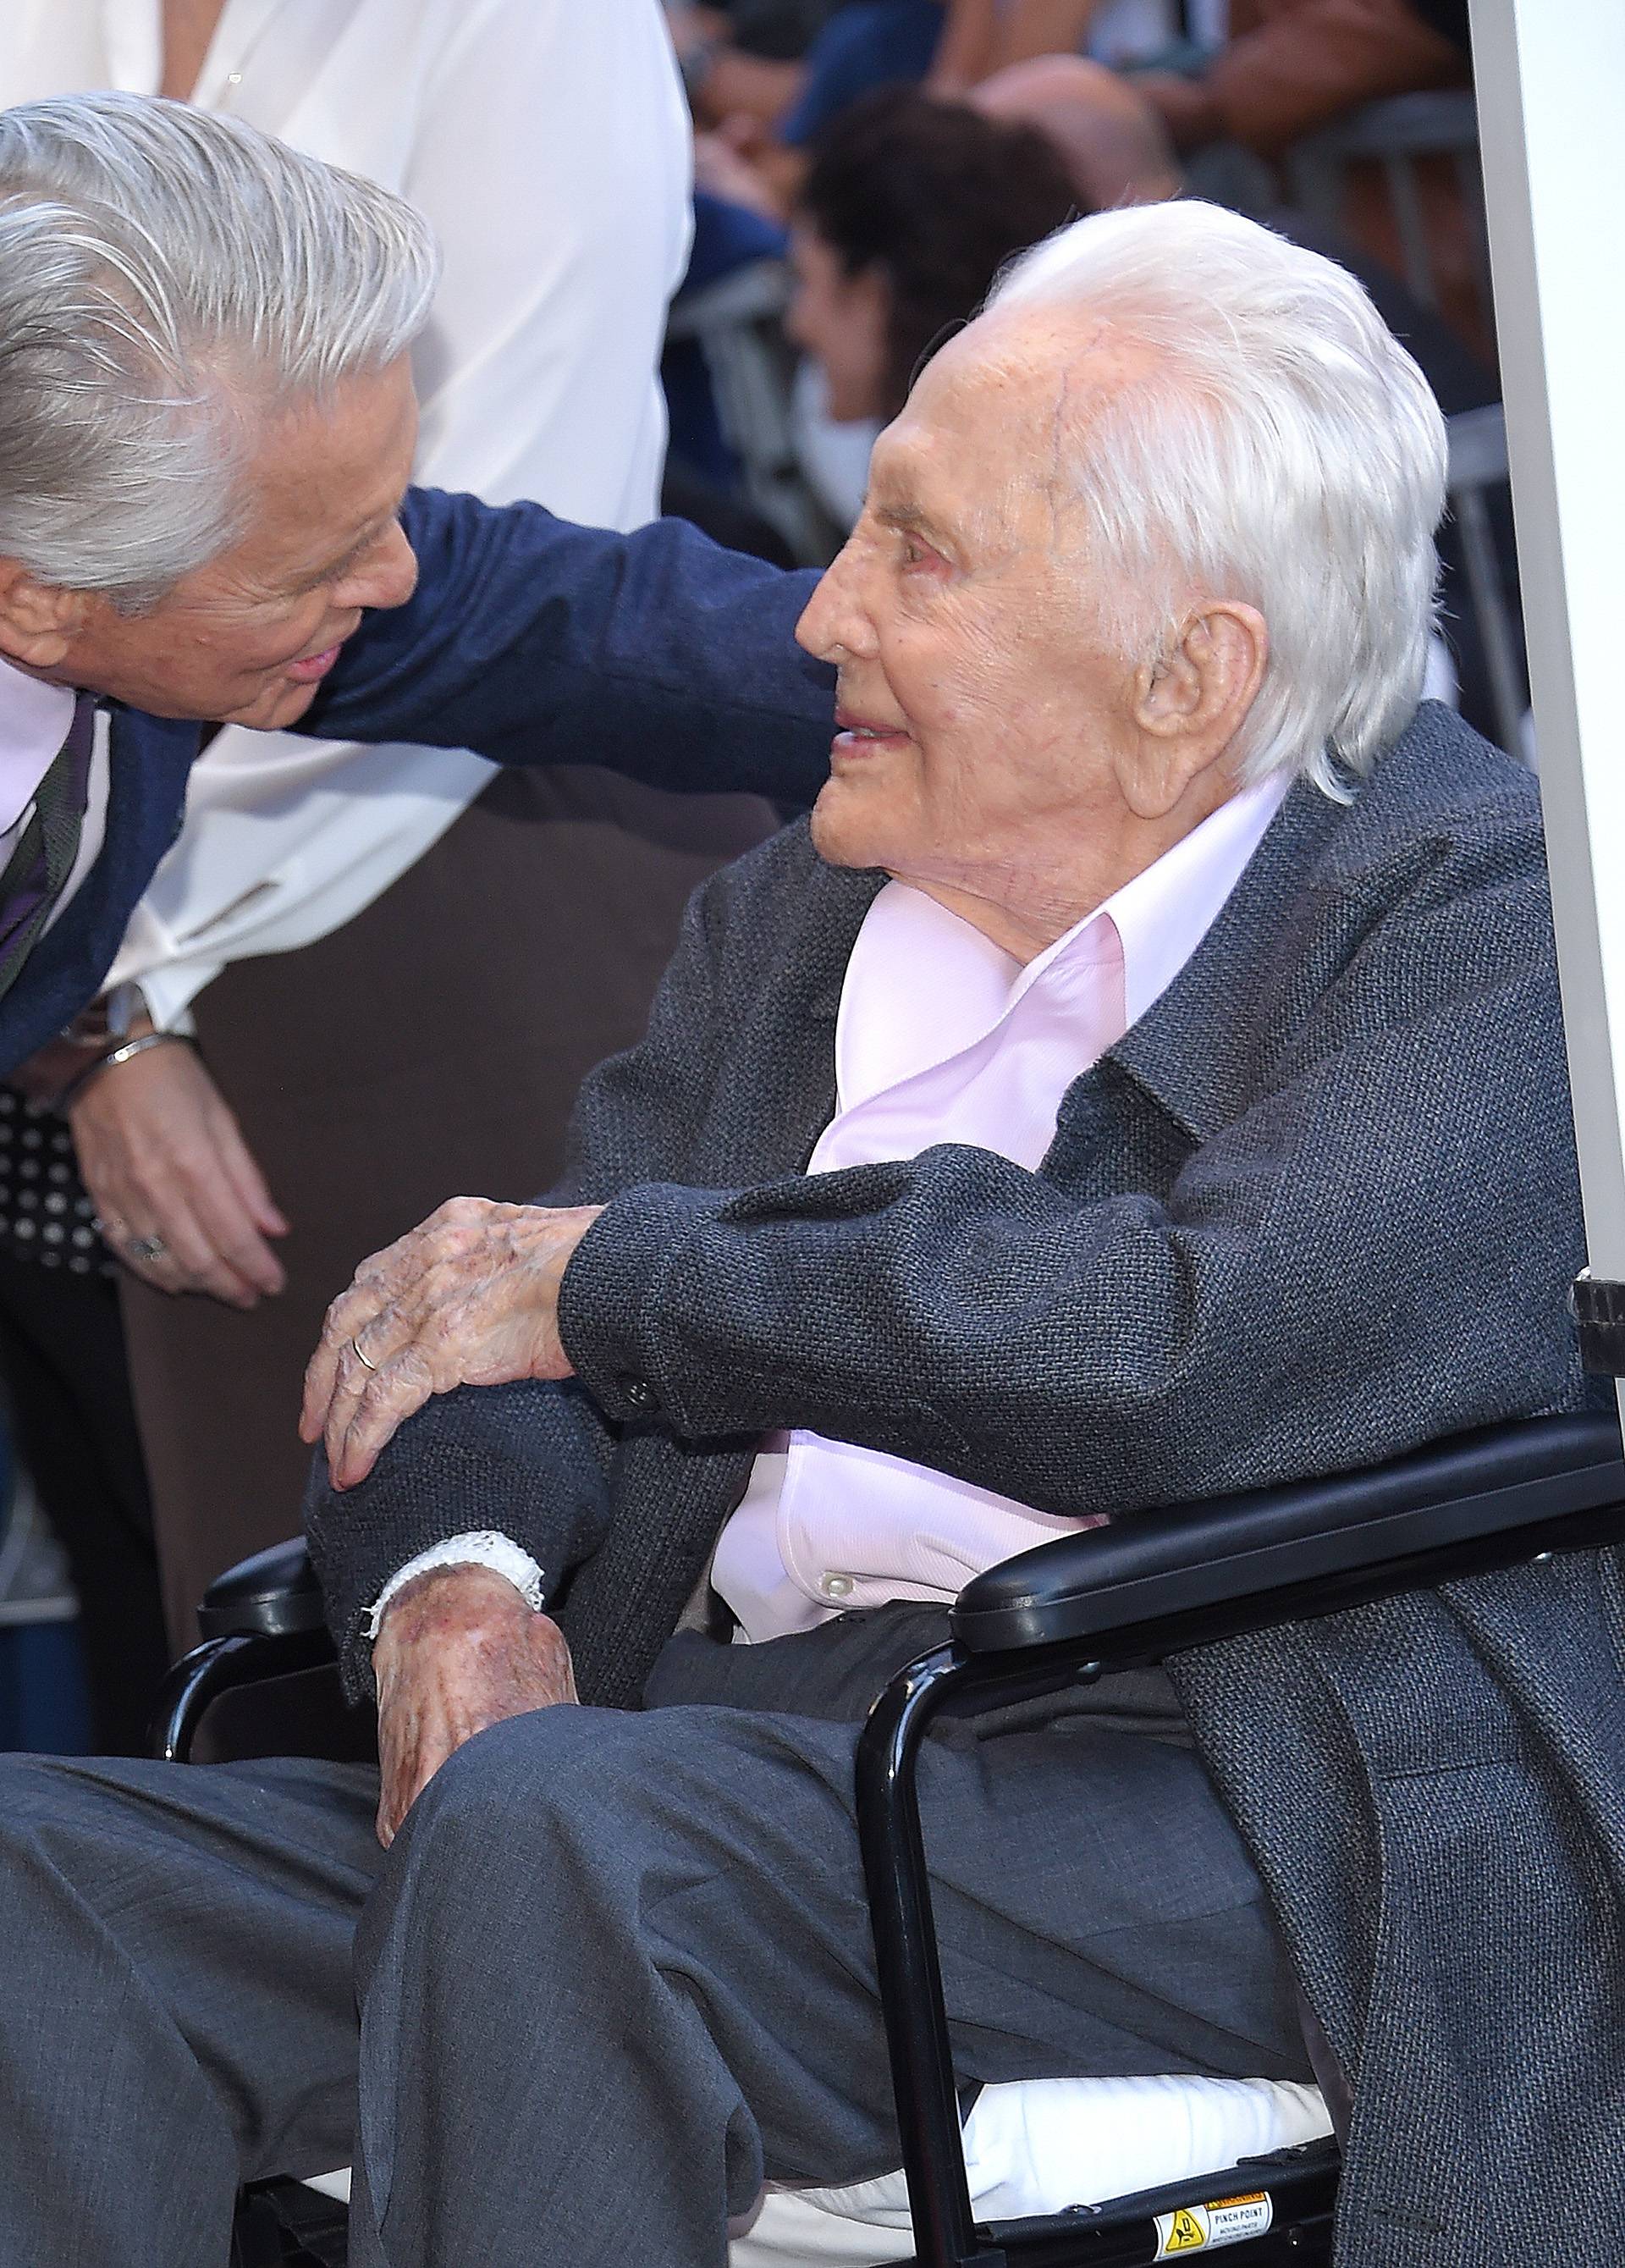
(922, 982)
(35, 721)
(1163, 914)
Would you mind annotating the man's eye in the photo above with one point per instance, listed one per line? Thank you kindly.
(917, 554)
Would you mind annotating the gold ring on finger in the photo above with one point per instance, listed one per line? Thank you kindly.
(361, 1357)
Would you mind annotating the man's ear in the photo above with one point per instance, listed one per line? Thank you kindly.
(39, 622)
(1192, 702)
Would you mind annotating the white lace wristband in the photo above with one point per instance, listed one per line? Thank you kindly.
(483, 1547)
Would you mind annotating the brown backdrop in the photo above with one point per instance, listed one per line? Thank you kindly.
(429, 1049)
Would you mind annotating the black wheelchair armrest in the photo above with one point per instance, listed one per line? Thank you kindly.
(271, 1595)
(262, 1619)
(1189, 1574)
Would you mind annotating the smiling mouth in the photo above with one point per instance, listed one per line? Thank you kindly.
(855, 732)
(312, 667)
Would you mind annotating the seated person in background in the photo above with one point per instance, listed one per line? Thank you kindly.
(910, 209)
(907, 212)
(1143, 1078)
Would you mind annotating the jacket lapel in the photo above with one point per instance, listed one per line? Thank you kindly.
(1197, 1053)
(1192, 1059)
(150, 759)
(802, 1055)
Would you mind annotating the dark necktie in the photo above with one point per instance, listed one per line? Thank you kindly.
(46, 850)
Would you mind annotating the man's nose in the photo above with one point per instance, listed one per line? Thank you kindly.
(388, 575)
(835, 623)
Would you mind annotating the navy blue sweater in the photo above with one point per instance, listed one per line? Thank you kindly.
(530, 640)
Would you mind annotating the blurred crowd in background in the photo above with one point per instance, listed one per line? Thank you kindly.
(613, 341)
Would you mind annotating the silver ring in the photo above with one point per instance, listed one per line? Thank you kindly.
(360, 1357)
(147, 1248)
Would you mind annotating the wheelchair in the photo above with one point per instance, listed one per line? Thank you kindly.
(1155, 1586)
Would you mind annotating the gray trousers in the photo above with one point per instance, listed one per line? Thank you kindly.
(615, 1971)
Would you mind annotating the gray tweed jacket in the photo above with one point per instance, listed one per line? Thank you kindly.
(1318, 1206)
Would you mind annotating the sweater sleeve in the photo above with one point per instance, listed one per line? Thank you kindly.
(531, 641)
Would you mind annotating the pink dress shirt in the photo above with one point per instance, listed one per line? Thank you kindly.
(942, 1037)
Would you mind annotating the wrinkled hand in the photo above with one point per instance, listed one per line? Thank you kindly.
(470, 1299)
(458, 1650)
(162, 1156)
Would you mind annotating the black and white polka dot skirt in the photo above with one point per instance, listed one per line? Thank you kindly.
(46, 1214)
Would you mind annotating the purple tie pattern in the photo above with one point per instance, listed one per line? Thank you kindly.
(44, 852)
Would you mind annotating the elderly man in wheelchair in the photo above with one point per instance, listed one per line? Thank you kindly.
(1041, 1286)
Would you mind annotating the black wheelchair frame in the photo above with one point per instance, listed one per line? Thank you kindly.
(1158, 1583)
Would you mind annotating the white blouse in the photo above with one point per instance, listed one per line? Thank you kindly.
(547, 142)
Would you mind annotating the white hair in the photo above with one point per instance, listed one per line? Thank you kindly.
(166, 279)
(1281, 448)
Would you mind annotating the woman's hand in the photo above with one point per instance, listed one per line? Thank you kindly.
(470, 1299)
(164, 1160)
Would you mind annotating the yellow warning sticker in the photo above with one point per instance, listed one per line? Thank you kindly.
(1207, 2227)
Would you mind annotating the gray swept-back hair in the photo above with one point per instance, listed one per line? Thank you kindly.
(1281, 448)
(166, 279)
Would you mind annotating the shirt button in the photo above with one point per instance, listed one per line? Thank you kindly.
(639, 1392)
(836, 1587)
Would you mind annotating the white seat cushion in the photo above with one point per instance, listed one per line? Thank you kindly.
(1035, 2148)
(1040, 2146)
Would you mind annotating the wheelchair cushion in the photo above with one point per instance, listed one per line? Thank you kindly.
(1041, 2146)
(1037, 2147)
(1044, 2144)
